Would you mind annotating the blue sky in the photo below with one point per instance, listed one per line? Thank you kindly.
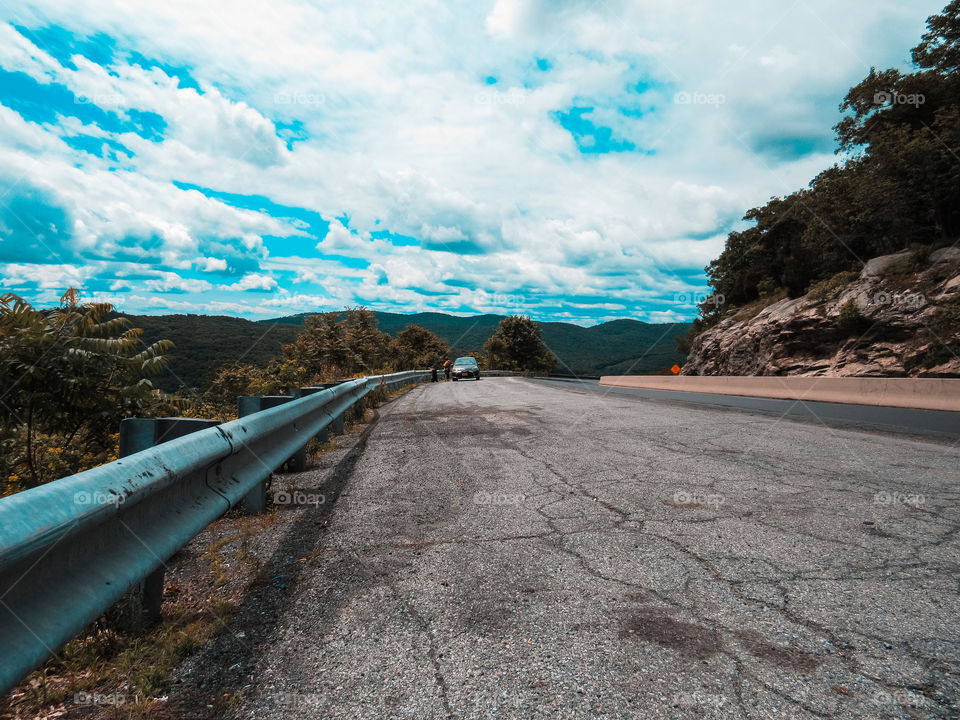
(566, 159)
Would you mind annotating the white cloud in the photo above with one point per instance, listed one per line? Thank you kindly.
(253, 281)
(298, 303)
(404, 134)
(171, 282)
(338, 238)
(212, 264)
(47, 277)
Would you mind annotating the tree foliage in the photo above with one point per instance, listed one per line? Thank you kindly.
(331, 346)
(334, 345)
(219, 398)
(899, 186)
(415, 348)
(518, 345)
(207, 343)
(68, 376)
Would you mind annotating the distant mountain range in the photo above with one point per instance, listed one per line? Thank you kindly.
(204, 342)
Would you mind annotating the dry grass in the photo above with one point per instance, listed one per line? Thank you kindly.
(826, 289)
(113, 674)
(751, 310)
(216, 560)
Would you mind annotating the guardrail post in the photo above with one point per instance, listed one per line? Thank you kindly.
(138, 434)
(256, 500)
(338, 421)
(323, 436)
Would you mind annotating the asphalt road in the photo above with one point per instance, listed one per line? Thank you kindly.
(518, 549)
(938, 424)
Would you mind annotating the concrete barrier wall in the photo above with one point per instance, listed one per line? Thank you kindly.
(923, 393)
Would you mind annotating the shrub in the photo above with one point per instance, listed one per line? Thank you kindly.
(850, 320)
(946, 318)
(826, 289)
(70, 375)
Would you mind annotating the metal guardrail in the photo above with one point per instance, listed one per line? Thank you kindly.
(71, 548)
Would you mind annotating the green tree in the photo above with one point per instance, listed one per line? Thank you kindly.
(940, 47)
(229, 382)
(367, 345)
(334, 345)
(518, 345)
(871, 102)
(415, 348)
(321, 348)
(68, 377)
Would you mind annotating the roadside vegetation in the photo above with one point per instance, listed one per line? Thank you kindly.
(118, 667)
(207, 343)
(70, 375)
(518, 345)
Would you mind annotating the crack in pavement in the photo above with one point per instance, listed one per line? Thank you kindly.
(432, 654)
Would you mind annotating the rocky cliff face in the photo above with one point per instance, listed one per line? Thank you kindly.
(900, 317)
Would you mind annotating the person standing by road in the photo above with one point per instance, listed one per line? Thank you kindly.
(446, 368)
(433, 373)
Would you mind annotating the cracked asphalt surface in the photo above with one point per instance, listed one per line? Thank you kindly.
(511, 549)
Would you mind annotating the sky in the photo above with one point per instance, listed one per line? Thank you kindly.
(577, 160)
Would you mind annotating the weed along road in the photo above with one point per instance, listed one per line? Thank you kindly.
(515, 549)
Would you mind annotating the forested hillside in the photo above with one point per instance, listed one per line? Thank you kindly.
(618, 346)
(205, 342)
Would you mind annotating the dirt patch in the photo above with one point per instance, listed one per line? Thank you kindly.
(484, 421)
(784, 657)
(878, 532)
(687, 639)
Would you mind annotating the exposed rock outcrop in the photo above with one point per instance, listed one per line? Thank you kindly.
(899, 318)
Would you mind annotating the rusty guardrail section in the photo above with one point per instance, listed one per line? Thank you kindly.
(71, 548)
(919, 393)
